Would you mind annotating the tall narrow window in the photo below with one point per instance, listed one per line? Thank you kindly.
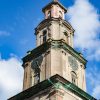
(74, 77)
(49, 14)
(44, 36)
(37, 76)
(32, 77)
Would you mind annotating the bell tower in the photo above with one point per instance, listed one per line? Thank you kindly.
(54, 53)
(54, 25)
(54, 70)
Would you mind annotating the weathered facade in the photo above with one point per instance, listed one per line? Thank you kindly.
(54, 70)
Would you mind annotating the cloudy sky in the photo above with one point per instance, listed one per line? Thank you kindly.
(18, 18)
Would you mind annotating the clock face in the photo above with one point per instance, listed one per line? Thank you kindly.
(73, 62)
(37, 62)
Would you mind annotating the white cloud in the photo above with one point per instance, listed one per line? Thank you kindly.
(85, 20)
(95, 56)
(4, 33)
(11, 77)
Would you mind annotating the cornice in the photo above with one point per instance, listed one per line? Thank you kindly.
(54, 44)
(48, 22)
(53, 82)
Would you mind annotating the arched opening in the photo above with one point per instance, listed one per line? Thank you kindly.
(36, 76)
(44, 36)
(49, 14)
(74, 77)
(35, 65)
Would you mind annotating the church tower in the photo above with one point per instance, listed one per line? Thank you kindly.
(54, 70)
(54, 53)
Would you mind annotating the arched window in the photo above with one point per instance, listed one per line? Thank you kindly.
(44, 36)
(49, 14)
(74, 77)
(36, 75)
(60, 15)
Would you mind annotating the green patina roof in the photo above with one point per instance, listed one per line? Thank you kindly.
(54, 81)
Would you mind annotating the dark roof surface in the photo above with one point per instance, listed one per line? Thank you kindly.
(48, 83)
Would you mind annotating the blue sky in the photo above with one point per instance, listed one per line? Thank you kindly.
(18, 18)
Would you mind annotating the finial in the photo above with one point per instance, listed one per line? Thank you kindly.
(55, 0)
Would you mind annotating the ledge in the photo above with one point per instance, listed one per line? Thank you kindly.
(46, 22)
(54, 44)
(52, 82)
(66, 47)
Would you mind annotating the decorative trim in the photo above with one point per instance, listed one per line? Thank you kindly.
(45, 85)
(48, 22)
(54, 44)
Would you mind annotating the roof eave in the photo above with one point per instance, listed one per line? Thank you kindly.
(49, 5)
(47, 83)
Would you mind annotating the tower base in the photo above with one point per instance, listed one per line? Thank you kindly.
(54, 88)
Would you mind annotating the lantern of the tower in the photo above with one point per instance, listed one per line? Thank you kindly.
(54, 10)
